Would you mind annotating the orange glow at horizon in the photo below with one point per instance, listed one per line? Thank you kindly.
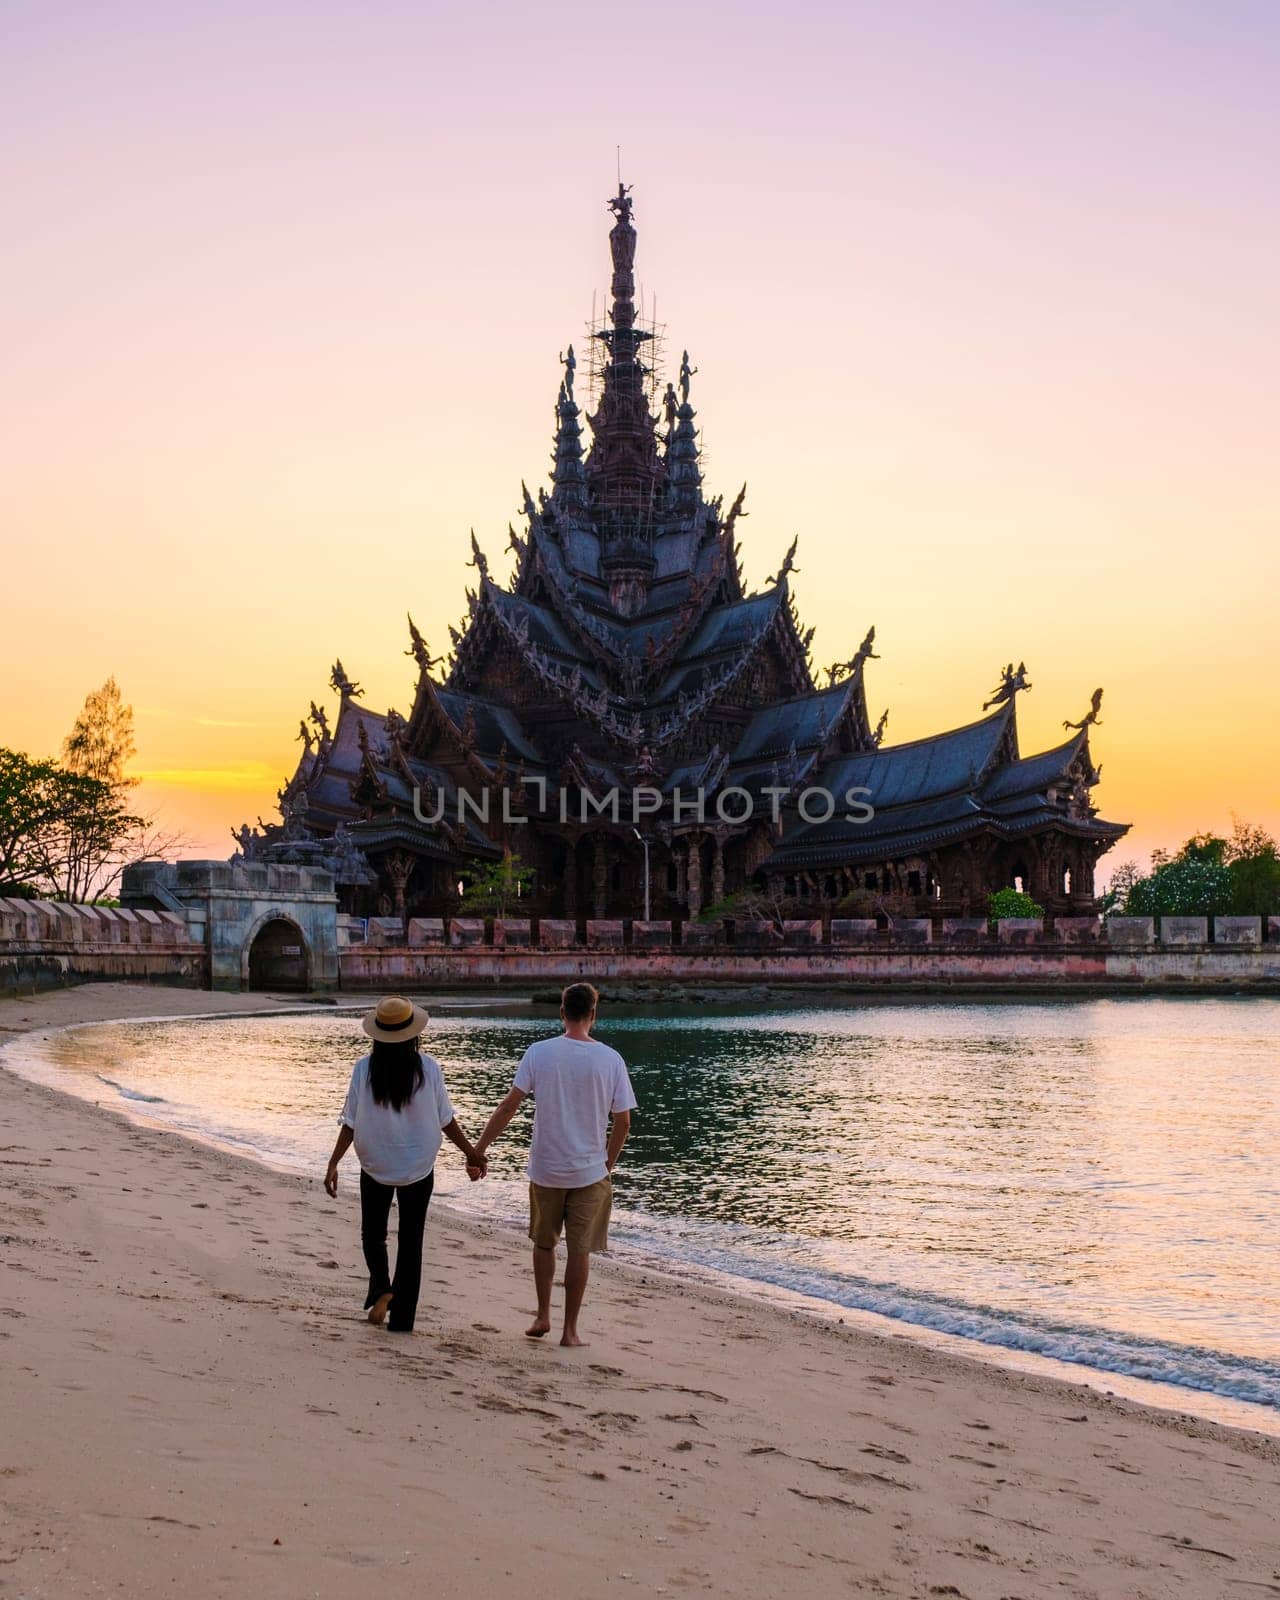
(985, 315)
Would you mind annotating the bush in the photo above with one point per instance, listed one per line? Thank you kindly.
(1209, 877)
(493, 886)
(1006, 903)
(1182, 888)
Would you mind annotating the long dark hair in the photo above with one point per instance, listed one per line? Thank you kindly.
(395, 1072)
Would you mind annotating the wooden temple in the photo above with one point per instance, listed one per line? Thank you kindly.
(624, 706)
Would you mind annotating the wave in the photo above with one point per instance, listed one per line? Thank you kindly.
(1195, 1367)
(130, 1094)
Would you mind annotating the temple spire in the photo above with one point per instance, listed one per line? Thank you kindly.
(623, 468)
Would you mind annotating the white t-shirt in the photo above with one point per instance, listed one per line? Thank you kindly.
(397, 1147)
(575, 1084)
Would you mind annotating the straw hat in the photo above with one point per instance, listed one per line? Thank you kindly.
(394, 1020)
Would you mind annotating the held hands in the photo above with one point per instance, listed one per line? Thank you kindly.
(477, 1165)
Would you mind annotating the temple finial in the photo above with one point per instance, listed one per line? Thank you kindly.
(568, 477)
(683, 470)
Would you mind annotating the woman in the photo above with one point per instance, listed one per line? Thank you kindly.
(396, 1110)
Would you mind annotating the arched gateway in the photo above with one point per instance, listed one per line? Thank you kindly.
(276, 956)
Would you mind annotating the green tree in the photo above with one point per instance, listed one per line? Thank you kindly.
(492, 886)
(100, 744)
(1254, 863)
(1186, 886)
(106, 833)
(1123, 878)
(1210, 876)
(1006, 903)
(46, 815)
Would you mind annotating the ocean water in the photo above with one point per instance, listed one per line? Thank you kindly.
(1095, 1182)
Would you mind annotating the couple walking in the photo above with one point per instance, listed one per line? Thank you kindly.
(397, 1114)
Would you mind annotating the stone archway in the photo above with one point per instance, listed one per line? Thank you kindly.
(276, 955)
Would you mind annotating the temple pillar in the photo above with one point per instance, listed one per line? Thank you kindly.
(571, 878)
(1082, 870)
(599, 876)
(717, 870)
(694, 877)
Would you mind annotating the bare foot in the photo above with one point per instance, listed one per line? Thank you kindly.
(378, 1310)
(572, 1341)
(538, 1328)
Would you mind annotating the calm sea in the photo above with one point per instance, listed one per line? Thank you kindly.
(1091, 1181)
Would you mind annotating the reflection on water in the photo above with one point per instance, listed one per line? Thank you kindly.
(1104, 1165)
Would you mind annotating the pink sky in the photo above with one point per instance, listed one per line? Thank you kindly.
(983, 300)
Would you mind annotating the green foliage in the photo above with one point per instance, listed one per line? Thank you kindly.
(492, 886)
(1208, 877)
(1254, 864)
(1181, 888)
(1123, 878)
(1007, 903)
(1208, 849)
(66, 829)
(56, 827)
(33, 803)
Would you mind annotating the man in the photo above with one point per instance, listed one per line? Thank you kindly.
(576, 1082)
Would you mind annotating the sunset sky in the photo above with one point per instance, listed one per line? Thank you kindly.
(983, 300)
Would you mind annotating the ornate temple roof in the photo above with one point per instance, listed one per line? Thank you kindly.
(625, 642)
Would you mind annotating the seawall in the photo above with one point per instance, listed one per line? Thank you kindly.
(45, 944)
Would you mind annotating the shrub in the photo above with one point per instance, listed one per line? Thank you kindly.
(1006, 903)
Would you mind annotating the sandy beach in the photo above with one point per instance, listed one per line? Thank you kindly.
(194, 1404)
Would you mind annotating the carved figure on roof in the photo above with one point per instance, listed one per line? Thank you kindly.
(686, 372)
(878, 735)
(247, 839)
(570, 363)
(839, 670)
(478, 559)
(395, 726)
(345, 686)
(320, 719)
(419, 650)
(1011, 683)
(788, 564)
(620, 203)
(670, 405)
(304, 735)
(1090, 718)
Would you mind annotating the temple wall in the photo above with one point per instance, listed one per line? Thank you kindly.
(45, 944)
(1130, 954)
(205, 938)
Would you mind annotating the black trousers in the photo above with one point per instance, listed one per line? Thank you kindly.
(412, 1200)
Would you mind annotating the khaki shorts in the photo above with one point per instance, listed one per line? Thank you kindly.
(582, 1213)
